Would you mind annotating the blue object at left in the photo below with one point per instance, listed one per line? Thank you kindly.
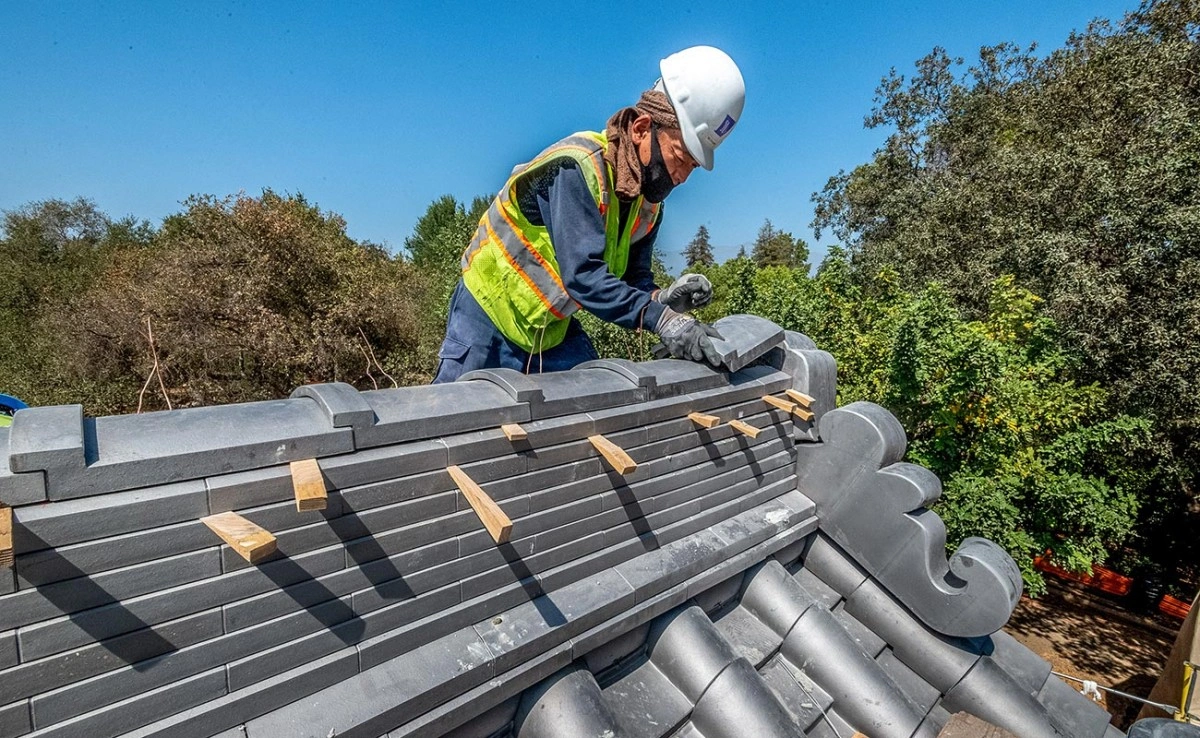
(10, 404)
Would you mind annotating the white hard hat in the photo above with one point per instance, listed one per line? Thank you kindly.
(706, 89)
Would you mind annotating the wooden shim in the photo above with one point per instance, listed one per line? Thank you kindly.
(490, 514)
(614, 454)
(250, 541)
(514, 432)
(6, 542)
(309, 485)
(745, 428)
(800, 398)
(803, 414)
(782, 404)
(704, 421)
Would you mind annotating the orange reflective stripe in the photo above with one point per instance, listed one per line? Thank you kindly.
(525, 276)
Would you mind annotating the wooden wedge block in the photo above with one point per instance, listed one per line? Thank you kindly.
(309, 485)
(6, 541)
(782, 404)
(704, 421)
(493, 518)
(800, 398)
(250, 541)
(803, 414)
(614, 455)
(514, 432)
(745, 428)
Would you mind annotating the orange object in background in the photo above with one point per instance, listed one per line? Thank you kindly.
(1105, 580)
(1176, 608)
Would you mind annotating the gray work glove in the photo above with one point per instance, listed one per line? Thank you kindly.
(689, 292)
(684, 337)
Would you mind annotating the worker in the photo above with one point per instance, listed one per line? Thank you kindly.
(575, 228)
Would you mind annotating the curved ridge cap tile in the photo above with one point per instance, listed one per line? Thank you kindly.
(775, 598)
(745, 338)
(83, 457)
(990, 693)
(874, 507)
(663, 378)
(739, 703)
(520, 387)
(863, 693)
(342, 403)
(689, 650)
(632, 371)
(568, 703)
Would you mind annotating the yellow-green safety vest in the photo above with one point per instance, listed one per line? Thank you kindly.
(510, 267)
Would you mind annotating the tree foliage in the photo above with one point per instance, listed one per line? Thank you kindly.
(1029, 457)
(699, 250)
(1078, 173)
(774, 247)
(1016, 286)
(245, 297)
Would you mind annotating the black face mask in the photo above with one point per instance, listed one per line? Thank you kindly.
(656, 180)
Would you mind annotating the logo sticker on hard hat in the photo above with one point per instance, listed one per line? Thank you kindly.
(726, 126)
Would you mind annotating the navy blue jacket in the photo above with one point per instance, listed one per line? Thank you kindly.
(560, 200)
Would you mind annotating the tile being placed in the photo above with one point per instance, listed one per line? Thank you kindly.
(745, 338)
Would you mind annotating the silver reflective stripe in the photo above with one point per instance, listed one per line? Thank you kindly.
(474, 247)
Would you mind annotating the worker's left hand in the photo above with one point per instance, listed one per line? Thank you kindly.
(684, 337)
(689, 292)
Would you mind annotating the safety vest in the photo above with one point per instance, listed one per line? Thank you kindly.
(510, 267)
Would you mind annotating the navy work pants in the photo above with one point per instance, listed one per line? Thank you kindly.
(473, 342)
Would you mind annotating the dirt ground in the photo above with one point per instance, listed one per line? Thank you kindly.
(1084, 636)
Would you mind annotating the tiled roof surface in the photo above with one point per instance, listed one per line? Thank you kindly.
(786, 584)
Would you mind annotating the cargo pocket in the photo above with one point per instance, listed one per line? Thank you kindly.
(452, 360)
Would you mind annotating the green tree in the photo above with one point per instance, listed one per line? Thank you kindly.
(442, 233)
(774, 247)
(246, 298)
(436, 246)
(51, 253)
(699, 250)
(1076, 172)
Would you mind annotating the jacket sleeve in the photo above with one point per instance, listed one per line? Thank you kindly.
(577, 232)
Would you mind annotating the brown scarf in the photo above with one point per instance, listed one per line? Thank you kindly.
(622, 154)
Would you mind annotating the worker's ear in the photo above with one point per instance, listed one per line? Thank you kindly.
(639, 130)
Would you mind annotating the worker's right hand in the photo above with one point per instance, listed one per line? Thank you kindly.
(687, 338)
(689, 292)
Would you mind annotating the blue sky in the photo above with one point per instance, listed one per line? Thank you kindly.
(373, 110)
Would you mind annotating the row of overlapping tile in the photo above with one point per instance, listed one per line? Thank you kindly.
(123, 610)
(805, 643)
